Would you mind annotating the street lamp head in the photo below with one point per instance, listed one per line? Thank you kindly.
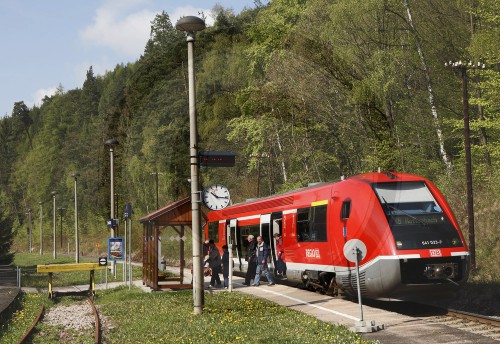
(190, 24)
(111, 142)
(75, 175)
(53, 193)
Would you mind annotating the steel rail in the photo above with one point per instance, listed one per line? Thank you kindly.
(32, 327)
(97, 336)
(483, 319)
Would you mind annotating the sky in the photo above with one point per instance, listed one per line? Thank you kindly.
(51, 43)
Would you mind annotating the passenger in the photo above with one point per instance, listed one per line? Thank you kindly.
(214, 262)
(225, 266)
(205, 248)
(251, 258)
(281, 262)
(262, 257)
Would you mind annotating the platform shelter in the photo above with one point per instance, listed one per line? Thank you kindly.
(167, 223)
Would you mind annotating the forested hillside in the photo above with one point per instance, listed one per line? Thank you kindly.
(303, 90)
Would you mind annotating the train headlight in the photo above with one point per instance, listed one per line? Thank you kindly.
(399, 245)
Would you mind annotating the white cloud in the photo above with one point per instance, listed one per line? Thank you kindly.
(115, 26)
(41, 93)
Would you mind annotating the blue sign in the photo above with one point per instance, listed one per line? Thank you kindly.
(115, 249)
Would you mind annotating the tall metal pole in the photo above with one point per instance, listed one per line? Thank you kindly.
(61, 215)
(190, 24)
(41, 228)
(77, 243)
(463, 67)
(111, 143)
(156, 179)
(54, 222)
(30, 246)
(468, 170)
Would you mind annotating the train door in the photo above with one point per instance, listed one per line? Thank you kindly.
(234, 237)
(269, 225)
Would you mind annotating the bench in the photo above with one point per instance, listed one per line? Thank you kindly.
(51, 268)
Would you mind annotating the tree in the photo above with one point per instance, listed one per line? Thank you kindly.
(6, 235)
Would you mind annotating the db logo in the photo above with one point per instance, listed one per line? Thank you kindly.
(435, 253)
(312, 253)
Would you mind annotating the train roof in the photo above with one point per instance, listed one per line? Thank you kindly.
(372, 177)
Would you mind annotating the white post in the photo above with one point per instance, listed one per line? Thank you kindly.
(130, 253)
(231, 264)
(357, 252)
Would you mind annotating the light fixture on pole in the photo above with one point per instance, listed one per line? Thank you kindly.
(53, 193)
(41, 227)
(463, 67)
(112, 143)
(75, 175)
(190, 25)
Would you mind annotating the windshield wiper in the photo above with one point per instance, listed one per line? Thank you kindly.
(404, 212)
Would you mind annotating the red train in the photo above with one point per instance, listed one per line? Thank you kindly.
(410, 238)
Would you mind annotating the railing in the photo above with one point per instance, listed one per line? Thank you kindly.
(10, 276)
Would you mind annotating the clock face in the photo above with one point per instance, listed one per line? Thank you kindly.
(216, 197)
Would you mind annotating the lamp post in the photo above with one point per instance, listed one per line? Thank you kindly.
(30, 246)
(75, 175)
(41, 228)
(61, 210)
(463, 67)
(190, 25)
(112, 143)
(53, 193)
(156, 180)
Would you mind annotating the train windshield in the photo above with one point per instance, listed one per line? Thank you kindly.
(415, 218)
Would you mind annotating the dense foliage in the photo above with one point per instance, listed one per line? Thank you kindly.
(302, 90)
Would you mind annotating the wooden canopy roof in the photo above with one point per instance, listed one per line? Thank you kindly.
(177, 213)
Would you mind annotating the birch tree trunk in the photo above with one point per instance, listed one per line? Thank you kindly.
(432, 104)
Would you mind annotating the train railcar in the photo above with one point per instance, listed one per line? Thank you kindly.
(409, 240)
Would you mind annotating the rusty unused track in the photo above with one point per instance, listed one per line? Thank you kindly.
(97, 333)
(97, 336)
(32, 327)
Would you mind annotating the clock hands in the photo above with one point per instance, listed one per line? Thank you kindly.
(216, 196)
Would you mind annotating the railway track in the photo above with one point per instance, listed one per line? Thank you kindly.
(66, 313)
(466, 321)
(469, 322)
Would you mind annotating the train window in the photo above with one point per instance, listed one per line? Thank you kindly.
(311, 224)
(346, 209)
(213, 231)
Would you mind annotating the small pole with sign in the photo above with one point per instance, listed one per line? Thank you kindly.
(355, 251)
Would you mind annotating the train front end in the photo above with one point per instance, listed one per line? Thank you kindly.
(424, 254)
(426, 236)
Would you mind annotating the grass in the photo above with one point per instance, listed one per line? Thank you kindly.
(139, 317)
(25, 310)
(31, 278)
(132, 316)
